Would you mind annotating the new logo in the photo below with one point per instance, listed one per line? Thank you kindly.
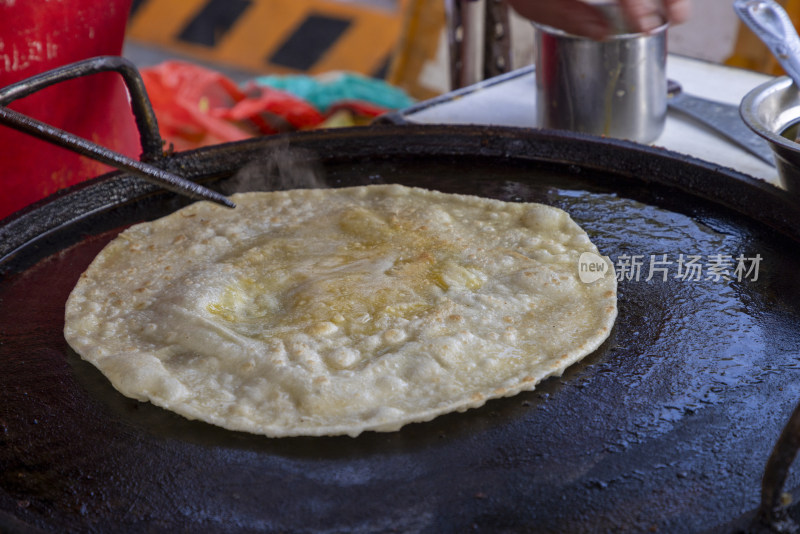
(592, 267)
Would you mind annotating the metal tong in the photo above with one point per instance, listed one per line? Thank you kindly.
(723, 119)
(143, 112)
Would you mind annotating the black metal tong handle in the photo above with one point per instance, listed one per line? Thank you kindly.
(143, 113)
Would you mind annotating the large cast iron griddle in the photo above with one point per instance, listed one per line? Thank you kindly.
(666, 427)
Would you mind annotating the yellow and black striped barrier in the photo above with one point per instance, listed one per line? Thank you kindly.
(275, 36)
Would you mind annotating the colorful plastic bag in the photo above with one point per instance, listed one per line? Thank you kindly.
(196, 106)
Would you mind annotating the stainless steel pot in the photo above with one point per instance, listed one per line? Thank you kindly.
(616, 87)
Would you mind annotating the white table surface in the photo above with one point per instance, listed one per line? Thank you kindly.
(512, 102)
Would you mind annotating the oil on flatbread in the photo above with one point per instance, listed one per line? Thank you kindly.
(335, 311)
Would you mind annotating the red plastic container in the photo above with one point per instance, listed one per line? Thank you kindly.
(37, 36)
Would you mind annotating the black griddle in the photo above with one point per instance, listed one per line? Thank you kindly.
(665, 428)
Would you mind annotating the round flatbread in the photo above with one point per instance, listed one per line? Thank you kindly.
(334, 311)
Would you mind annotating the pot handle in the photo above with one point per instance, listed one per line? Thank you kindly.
(145, 121)
(773, 514)
(149, 136)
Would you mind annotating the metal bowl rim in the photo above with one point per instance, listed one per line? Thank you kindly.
(656, 32)
(748, 109)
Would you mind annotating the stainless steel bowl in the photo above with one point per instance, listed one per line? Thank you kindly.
(770, 110)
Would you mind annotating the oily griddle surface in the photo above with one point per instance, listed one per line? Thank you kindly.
(666, 427)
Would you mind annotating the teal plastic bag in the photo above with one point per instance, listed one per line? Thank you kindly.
(326, 90)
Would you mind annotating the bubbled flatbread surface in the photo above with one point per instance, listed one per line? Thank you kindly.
(334, 311)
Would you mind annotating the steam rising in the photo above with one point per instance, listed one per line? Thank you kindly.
(279, 169)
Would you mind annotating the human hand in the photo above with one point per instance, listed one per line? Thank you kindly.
(580, 18)
(646, 15)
